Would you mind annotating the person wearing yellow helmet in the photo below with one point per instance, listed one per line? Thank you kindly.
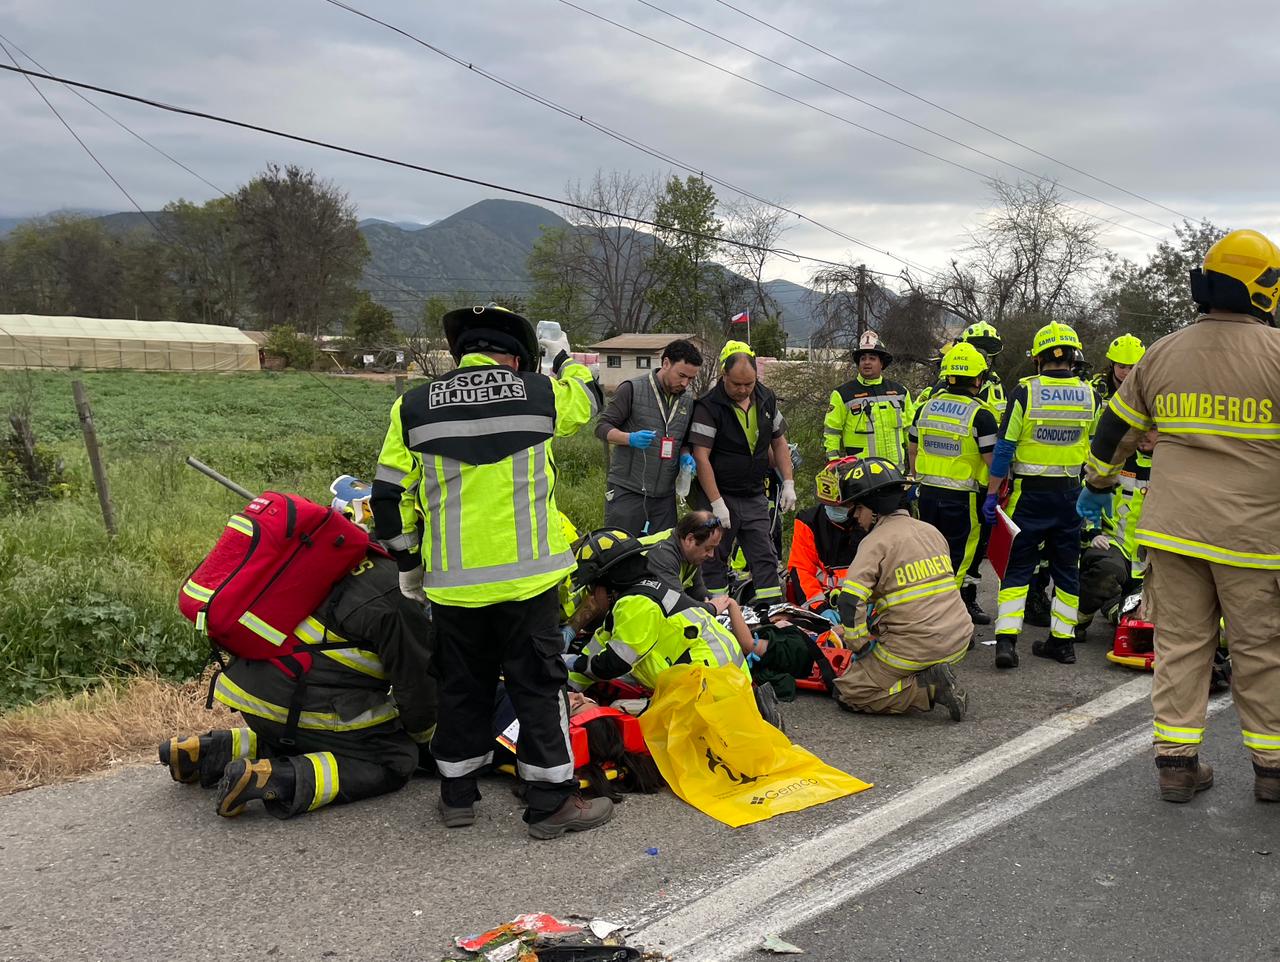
(1122, 354)
(868, 416)
(951, 443)
(1042, 446)
(1209, 521)
(737, 434)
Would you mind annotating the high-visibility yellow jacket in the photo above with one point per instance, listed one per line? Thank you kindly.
(868, 418)
(471, 453)
(1049, 419)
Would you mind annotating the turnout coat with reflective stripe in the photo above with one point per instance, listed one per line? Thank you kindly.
(348, 689)
(903, 570)
(650, 628)
(1212, 389)
(471, 451)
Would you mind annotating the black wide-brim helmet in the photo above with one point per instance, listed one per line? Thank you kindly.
(612, 552)
(492, 328)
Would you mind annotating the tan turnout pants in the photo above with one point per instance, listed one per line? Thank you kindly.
(1185, 598)
(872, 686)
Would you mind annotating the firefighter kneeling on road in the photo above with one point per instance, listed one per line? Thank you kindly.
(351, 741)
(902, 571)
(471, 453)
(823, 544)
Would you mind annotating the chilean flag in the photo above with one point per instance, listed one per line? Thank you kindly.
(743, 318)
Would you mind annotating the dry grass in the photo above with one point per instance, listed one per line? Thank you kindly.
(119, 721)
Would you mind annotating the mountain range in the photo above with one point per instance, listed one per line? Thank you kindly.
(481, 249)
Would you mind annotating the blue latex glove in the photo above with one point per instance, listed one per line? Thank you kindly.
(641, 439)
(832, 616)
(1093, 505)
(568, 634)
(688, 464)
(989, 508)
(752, 660)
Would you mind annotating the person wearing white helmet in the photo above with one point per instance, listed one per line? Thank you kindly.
(868, 416)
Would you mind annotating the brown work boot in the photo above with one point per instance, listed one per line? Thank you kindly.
(1266, 783)
(577, 814)
(1181, 776)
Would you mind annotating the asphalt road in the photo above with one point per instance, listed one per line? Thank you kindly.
(132, 866)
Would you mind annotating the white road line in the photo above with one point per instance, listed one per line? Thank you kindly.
(720, 912)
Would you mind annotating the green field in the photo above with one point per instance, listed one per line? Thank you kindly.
(78, 605)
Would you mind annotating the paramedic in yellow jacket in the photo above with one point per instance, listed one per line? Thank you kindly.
(472, 451)
(920, 627)
(650, 624)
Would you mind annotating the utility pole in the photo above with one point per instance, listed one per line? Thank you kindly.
(862, 300)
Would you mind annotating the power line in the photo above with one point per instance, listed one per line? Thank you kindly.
(889, 113)
(840, 117)
(409, 165)
(87, 150)
(949, 112)
(119, 123)
(615, 134)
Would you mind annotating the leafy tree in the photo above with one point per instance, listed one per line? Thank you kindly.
(297, 349)
(372, 325)
(768, 338)
(208, 273)
(559, 286)
(683, 291)
(301, 247)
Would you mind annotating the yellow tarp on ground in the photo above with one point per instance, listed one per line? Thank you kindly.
(720, 756)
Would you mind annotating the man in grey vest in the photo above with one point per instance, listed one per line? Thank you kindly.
(647, 421)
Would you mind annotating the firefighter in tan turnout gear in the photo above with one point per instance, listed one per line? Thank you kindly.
(902, 580)
(1210, 522)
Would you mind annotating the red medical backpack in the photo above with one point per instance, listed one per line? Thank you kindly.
(276, 561)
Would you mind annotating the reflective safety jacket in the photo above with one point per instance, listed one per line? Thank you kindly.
(821, 552)
(472, 452)
(1049, 418)
(903, 569)
(992, 394)
(1212, 389)
(652, 627)
(952, 432)
(868, 418)
(1135, 479)
(349, 689)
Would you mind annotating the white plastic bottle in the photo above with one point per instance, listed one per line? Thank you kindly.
(554, 341)
(684, 481)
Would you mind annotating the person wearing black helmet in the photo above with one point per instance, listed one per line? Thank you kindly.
(470, 453)
(920, 627)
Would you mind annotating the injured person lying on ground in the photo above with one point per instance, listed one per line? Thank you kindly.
(920, 626)
(647, 625)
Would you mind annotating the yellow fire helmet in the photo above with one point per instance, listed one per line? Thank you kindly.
(1055, 336)
(963, 360)
(735, 347)
(984, 337)
(1242, 274)
(1125, 349)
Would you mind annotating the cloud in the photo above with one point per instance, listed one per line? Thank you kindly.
(1133, 93)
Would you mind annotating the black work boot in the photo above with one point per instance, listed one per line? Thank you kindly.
(1266, 783)
(944, 691)
(1061, 650)
(197, 757)
(767, 703)
(1006, 651)
(456, 816)
(969, 595)
(244, 781)
(1038, 610)
(577, 814)
(1181, 776)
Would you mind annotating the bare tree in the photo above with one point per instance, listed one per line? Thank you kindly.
(758, 227)
(1033, 256)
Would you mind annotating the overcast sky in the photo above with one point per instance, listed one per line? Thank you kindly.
(1166, 98)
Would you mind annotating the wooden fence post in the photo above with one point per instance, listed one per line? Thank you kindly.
(95, 455)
